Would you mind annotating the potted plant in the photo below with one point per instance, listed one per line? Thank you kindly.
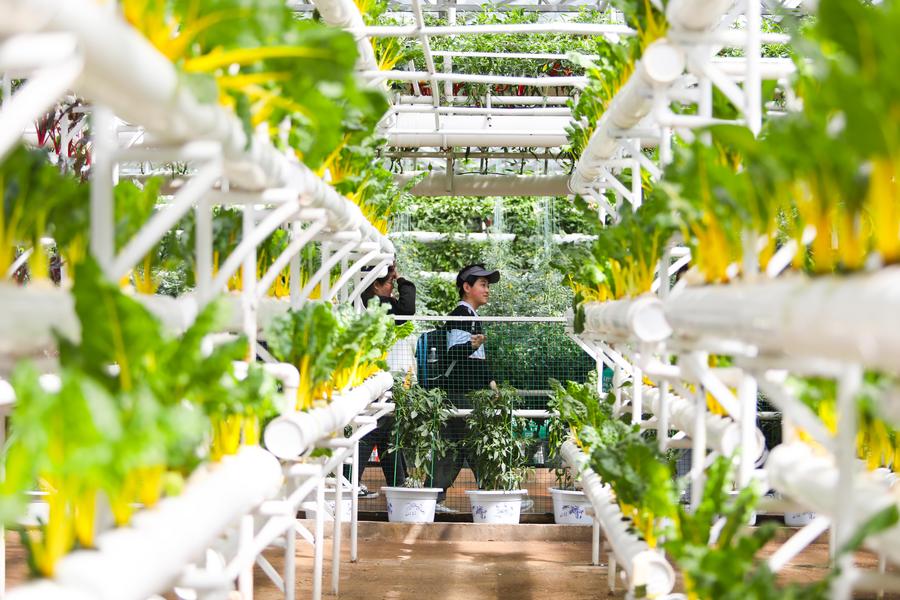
(569, 503)
(419, 417)
(499, 454)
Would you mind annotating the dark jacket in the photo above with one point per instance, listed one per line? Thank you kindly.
(404, 305)
(468, 374)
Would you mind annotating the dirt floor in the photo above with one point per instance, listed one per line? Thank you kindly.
(467, 562)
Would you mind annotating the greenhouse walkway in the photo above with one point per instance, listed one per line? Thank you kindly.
(464, 561)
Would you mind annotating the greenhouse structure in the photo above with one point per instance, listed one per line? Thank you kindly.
(449, 298)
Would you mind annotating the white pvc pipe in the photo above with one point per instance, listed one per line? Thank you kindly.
(517, 28)
(811, 479)
(436, 236)
(344, 14)
(620, 320)
(440, 184)
(123, 71)
(146, 558)
(44, 86)
(661, 64)
(559, 111)
(46, 590)
(723, 434)
(696, 15)
(853, 318)
(644, 567)
(292, 434)
(576, 81)
(498, 100)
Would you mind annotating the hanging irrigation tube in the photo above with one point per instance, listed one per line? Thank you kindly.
(643, 566)
(292, 434)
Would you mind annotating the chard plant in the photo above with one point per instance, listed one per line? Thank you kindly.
(877, 440)
(494, 439)
(270, 68)
(35, 197)
(134, 406)
(305, 338)
(419, 418)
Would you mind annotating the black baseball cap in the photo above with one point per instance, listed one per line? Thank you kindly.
(472, 272)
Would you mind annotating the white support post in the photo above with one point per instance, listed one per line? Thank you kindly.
(204, 248)
(319, 548)
(290, 558)
(245, 545)
(354, 503)
(103, 125)
(338, 526)
(325, 253)
(295, 283)
(637, 388)
(662, 417)
(845, 459)
(752, 82)
(747, 397)
(698, 448)
(595, 542)
(248, 292)
(637, 189)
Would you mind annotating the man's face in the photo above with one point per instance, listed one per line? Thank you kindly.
(479, 292)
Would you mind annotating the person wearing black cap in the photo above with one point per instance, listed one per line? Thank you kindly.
(470, 370)
(405, 304)
(383, 288)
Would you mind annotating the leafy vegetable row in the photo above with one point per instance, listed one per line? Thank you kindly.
(135, 411)
(718, 556)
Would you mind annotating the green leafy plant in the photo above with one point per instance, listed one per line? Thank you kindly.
(270, 68)
(133, 404)
(419, 417)
(35, 198)
(306, 339)
(494, 439)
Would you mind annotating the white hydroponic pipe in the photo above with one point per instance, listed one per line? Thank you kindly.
(639, 318)
(660, 65)
(696, 15)
(499, 29)
(439, 184)
(147, 557)
(126, 73)
(436, 236)
(811, 479)
(723, 434)
(852, 318)
(576, 81)
(292, 434)
(46, 590)
(644, 566)
(344, 14)
(498, 100)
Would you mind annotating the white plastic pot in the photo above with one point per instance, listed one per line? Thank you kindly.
(310, 505)
(798, 519)
(496, 506)
(411, 505)
(570, 507)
